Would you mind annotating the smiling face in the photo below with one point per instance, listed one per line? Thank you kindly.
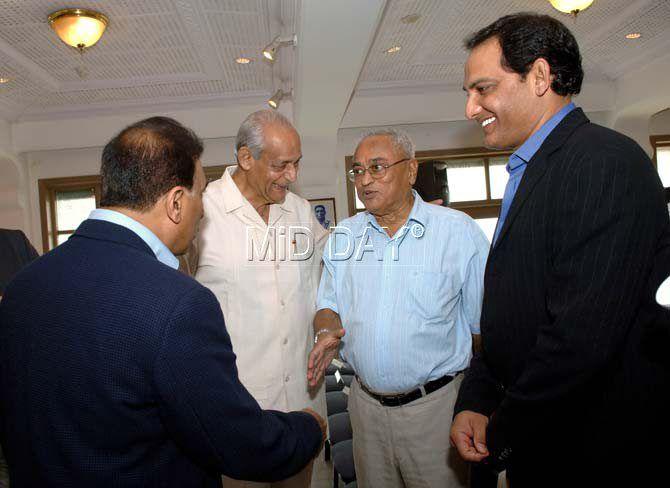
(277, 166)
(383, 195)
(501, 101)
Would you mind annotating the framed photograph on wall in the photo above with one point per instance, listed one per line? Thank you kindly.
(324, 211)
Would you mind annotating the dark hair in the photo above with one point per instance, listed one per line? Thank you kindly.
(145, 160)
(525, 37)
(322, 207)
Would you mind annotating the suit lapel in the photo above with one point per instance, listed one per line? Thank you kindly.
(538, 165)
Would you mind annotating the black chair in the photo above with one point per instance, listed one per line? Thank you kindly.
(336, 402)
(341, 446)
(343, 462)
(333, 385)
(346, 369)
(339, 426)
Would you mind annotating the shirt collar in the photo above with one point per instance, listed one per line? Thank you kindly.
(232, 196)
(528, 149)
(418, 214)
(160, 250)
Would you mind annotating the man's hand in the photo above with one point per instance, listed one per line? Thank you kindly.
(468, 435)
(323, 352)
(322, 424)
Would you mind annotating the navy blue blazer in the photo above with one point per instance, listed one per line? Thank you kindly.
(574, 395)
(116, 370)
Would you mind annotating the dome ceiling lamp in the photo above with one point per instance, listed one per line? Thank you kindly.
(78, 27)
(573, 7)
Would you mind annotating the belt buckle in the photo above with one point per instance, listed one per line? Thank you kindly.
(391, 401)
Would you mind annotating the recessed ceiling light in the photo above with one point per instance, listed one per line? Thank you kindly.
(242, 60)
(410, 19)
(633, 35)
(4, 80)
(393, 49)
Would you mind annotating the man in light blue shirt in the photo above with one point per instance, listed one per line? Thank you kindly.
(405, 279)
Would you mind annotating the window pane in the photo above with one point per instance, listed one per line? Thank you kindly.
(499, 176)
(72, 207)
(663, 163)
(488, 225)
(62, 238)
(467, 180)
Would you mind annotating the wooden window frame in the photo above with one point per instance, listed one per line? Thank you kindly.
(48, 187)
(477, 209)
(657, 141)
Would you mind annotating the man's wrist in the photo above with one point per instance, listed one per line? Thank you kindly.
(320, 332)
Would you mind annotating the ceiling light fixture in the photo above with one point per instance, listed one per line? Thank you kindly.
(242, 60)
(78, 27)
(393, 50)
(276, 99)
(633, 35)
(4, 80)
(572, 7)
(270, 51)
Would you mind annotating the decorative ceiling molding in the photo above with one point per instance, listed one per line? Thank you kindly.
(30, 66)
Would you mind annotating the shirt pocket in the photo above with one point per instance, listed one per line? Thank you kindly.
(432, 296)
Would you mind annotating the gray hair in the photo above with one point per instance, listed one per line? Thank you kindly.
(250, 133)
(400, 139)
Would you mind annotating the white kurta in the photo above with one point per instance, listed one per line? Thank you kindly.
(268, 298)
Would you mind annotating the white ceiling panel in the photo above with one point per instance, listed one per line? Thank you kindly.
(432, 48)
(152, 50)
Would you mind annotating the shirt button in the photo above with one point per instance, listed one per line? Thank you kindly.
(282, 303)
(285, 341)
(277, 266)
(287, 378)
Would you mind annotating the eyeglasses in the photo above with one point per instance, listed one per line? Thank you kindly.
(376, 169)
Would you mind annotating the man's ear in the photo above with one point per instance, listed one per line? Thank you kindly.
(174, 204)
(413, 170)
(244, 158)
(541, 76)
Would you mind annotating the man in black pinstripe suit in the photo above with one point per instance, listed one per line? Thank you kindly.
(564, 392)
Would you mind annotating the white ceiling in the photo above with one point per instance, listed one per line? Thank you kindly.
(159, 52)
(153, 51)
(432, 48)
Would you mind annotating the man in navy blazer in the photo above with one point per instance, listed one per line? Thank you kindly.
(564, 391)
(116, 369)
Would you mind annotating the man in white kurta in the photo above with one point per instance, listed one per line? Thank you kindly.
(259, 252)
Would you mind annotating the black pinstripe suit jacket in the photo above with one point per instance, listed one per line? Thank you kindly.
(564, 371)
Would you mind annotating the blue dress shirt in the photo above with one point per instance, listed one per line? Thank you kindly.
(519, 160)
(409, 303)
(163, 254)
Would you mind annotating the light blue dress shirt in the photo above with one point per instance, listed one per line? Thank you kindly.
(519, 160)
(410, 303)
(163, 254)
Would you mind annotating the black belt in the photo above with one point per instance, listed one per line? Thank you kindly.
(405, 398)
